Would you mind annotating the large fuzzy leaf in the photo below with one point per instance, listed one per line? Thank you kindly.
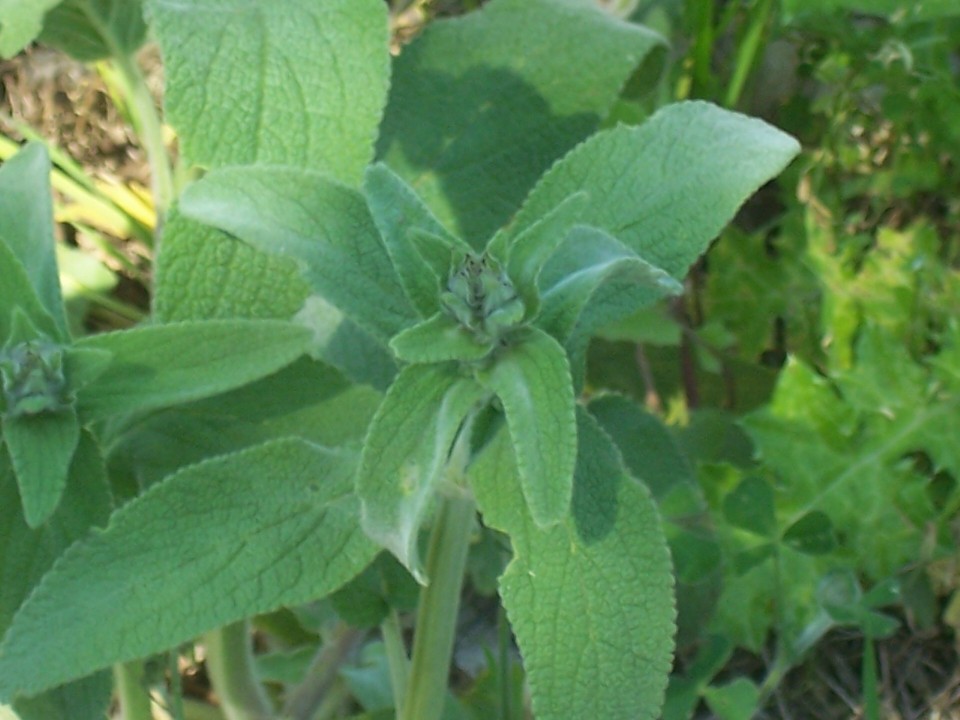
(219, 541)
(482, 105)
(590, 599)
(323, 224)
(532, 380)
(161, 365)
(297, 83)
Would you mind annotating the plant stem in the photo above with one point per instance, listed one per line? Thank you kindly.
(437, 613)
(132, 691)
(397, 659)
(233, 676)
(503, 642)
(749, 51)
(310, 694)
(150, 130)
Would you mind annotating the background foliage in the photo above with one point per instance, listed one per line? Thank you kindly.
(806, 382)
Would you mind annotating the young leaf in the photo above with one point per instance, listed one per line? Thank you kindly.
(590, 599)
(581, 266)
(160, 365)
(666, 188)
(751, 507)
(324, 225)
(529, 252)
(270, 526)
(532, 380)
(239, 89)
(480, 106)
(397, 211)
(438, 339)
(40, 448)
(20, 23)
(17, 292)
(91, 30)
(406, 453)
(26, 225)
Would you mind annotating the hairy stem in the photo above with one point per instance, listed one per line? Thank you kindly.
(132, 691)
(233, 676)
(437, 613)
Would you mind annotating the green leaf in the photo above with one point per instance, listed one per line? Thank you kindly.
(90, 30)
(86, 698)
(737, 700)
(296, 83)
(438, 339)
(306, 399)
(480, 106)
(651, 454)
(324, 225)
(532, 380)
(666, 188)
(590, 599)
(405, 454)
(27, 553)
(270, 526)
(903, 11)
(398, 213)
(812, 534)
(26, 226)
(160, 365)
(17, 296)
(751, 507)
(366, 600)
(587, 260)
(529, 252)
(40, 448)
(203, 274)
(20, 23)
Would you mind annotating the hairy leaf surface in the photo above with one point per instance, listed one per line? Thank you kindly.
(480, 106)
(590, 599)
(161, 365)
(297, 83)
(26, 225)
(532, 380)
(40, 448)
(324, 225)
(219, 541)
(406, 451)
(203, 274)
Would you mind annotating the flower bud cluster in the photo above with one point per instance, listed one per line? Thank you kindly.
(33, 378)
(481, 297)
